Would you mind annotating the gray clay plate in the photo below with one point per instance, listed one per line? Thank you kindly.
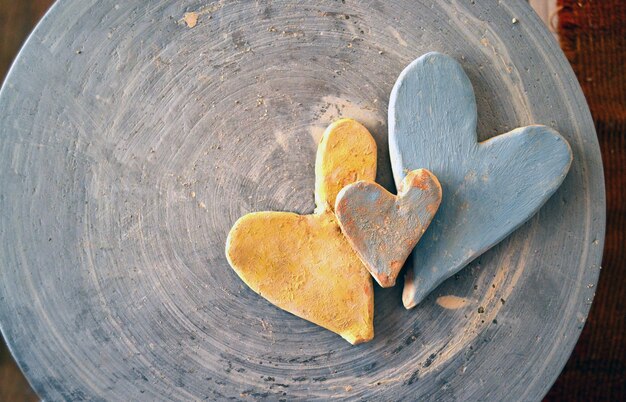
(130, 143)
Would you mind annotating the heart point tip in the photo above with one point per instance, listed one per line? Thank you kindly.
(358, 338)
(408, 302)
(408, 293)
(385, 281)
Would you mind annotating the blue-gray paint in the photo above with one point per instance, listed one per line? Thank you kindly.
(489, 188)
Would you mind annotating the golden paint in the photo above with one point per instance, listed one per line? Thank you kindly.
(303, 263)
(346, 154)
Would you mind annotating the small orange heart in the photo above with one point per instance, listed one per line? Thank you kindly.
(303, 263)
(383, 228)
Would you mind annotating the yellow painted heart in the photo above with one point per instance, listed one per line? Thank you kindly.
(303, 263)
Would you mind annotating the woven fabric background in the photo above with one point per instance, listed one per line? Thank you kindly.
(593, 36)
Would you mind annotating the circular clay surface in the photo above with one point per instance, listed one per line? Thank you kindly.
(134, 133)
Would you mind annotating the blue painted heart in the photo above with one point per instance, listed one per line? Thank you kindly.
(383, 228)
(490, 188)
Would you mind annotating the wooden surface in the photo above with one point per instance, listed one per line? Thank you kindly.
(126, 292)
(17, 19)
(13, 384)
(593, 35)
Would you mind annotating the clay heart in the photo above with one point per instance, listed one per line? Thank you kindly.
(383, 228)
(490, 188)
(304, 264)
